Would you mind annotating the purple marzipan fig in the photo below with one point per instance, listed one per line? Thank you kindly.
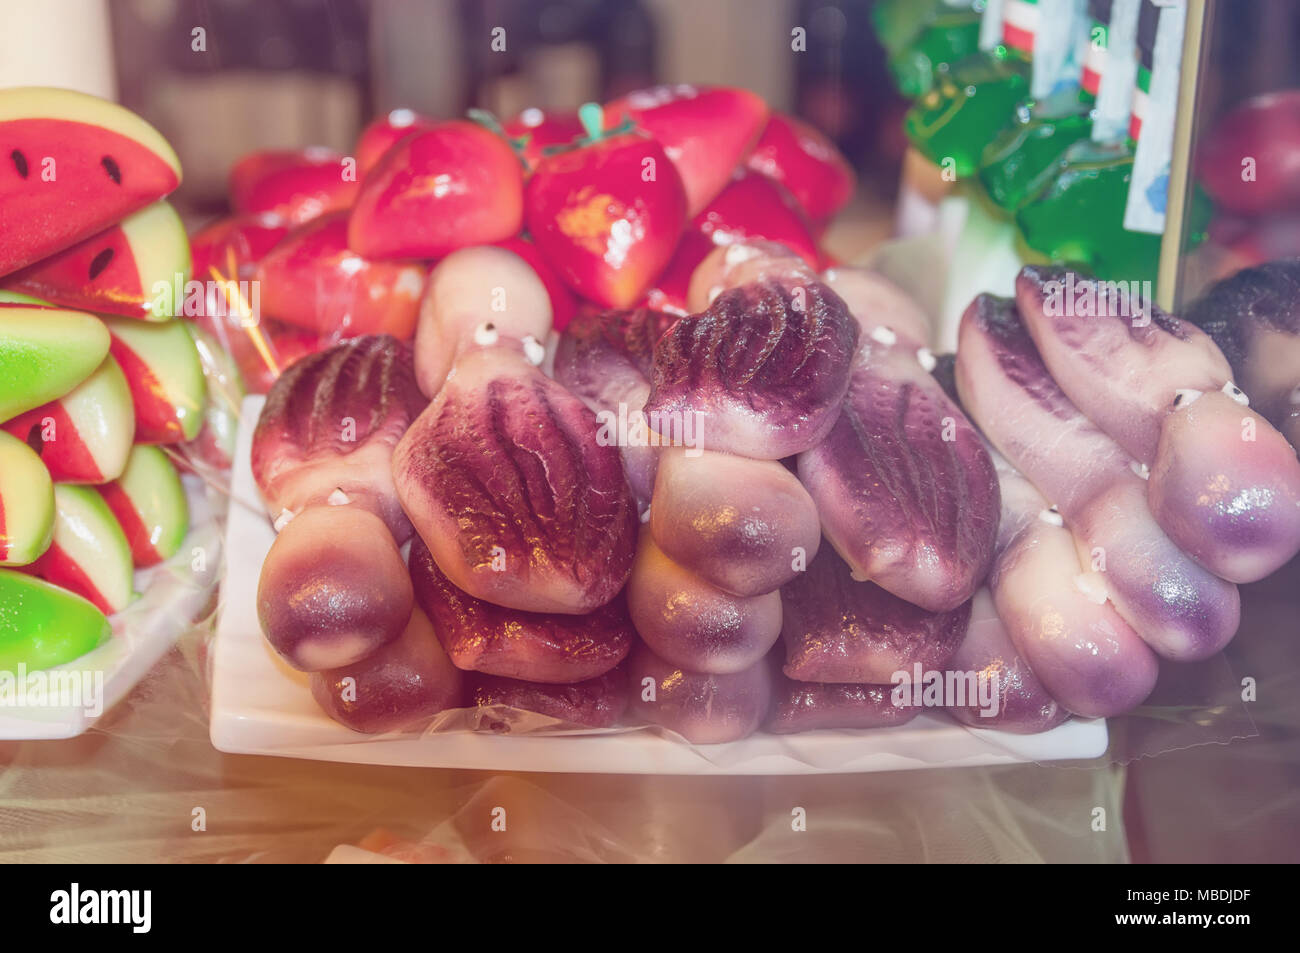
(837, 629)
(407, 681)
(473, 291)
(1008, 391)
(506, 480)
(330, 424)
(536, 646)
(594, 703)
(703, 709)
(333, 588)
(602, 355)
(905, 488)
(692, 623)
(808, 706)
(1254, 317)
(763, 369)
(1226, 486)
(1179, 608)
(746, 526)
(1119, 361)
(1057, 615)
(605, 360)
(996, 686)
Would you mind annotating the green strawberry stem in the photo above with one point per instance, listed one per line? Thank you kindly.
(592, 117)
(490, 122)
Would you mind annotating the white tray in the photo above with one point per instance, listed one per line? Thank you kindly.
(261, 706)
(171, 594)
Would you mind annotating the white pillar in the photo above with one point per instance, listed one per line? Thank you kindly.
(65, 43)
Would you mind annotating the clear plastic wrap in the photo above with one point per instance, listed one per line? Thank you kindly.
(138, 785)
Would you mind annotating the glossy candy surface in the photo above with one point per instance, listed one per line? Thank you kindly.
(705, 131)
(606, 229)
(44, 625)
(763, 369)
(313, 280)
(45, 353)
(331, 423)
(837, 629)
(1180, 609)
(396, 687)
(504, 478)
(449, 187)
(333, 589)
(689, 622)
(138, 268)
(85, 435)
(703, 709)
(295, 186)
(26, 503)
(906, 492)
(594, 703)
(537, 646)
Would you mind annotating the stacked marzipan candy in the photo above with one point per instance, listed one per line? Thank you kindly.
(96, 374)
(591, 216)
(340, 246)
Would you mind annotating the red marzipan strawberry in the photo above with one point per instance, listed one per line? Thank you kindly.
(241, 239)
(453, 186)
(808, 164)
(563, 306)
(608, 213)
(754, 207)
(384, 133)
(537, 131)
(295, 186)
(705, 131)
(314, 281)
(751, 207)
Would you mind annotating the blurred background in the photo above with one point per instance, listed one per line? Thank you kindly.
(292, 73)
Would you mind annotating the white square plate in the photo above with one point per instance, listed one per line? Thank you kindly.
(261, 706)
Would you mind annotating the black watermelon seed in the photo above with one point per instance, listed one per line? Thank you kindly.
(111, 168)
(20, 162)
(100, 262)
